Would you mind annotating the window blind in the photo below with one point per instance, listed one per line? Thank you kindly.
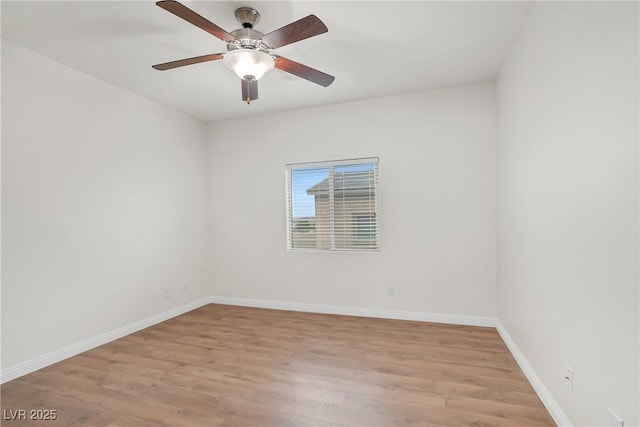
(333, 205)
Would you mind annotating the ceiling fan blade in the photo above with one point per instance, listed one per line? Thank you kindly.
(187, 61)
(300, 70)
(189, 15)
(249, 90)
(294, 32)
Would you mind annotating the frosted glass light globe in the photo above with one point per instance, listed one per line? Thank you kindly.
(248, 64)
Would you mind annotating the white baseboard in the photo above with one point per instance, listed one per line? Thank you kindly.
(56, 356)
(547, 399)
(359, 311)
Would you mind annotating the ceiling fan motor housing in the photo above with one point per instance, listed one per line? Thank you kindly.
(246, 38)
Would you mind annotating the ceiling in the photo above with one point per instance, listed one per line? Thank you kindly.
(373, 48)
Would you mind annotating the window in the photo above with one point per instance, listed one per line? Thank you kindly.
(333, 205)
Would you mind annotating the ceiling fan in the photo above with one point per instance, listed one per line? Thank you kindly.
(249, 51)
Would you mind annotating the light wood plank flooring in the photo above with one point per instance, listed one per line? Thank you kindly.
(235, 366)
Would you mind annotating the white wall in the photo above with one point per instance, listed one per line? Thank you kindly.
(438, 203)
(567, 101)
(104, 204)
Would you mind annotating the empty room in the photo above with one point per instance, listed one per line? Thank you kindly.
(320, 213)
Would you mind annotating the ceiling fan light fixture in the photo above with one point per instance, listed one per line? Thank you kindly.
(248, 64)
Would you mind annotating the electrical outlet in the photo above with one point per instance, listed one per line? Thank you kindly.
(569, 377)
(391, 291)
(166, 292)
(615, 420)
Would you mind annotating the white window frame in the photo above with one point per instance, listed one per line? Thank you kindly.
(331, 165)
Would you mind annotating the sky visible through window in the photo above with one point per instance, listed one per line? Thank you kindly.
(304, 204)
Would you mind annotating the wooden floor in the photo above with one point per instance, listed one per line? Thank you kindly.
(234, 366)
